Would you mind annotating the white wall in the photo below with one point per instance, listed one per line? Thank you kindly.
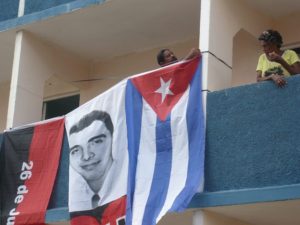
(36, 61)
(4, 94)
(183, 218)
(227, 17)
(56, 88)
(210, 218)
(288, 27)
(246, 50)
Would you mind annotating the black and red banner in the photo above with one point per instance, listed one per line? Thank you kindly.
(29, 163)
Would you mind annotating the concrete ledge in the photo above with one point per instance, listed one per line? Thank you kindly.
(246, 196)
(47, 13)
(222, 198)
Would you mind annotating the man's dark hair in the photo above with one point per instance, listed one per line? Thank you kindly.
(161, 57)
(271, 36)
(89, 118)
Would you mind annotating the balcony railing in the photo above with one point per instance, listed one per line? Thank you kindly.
(8, 9)
(252, 145)
(253, 136)
(252, 148)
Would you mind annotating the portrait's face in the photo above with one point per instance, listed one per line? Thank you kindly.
(90, 152)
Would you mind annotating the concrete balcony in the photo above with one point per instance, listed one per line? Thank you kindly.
(252, 149)
(252, 153)
(252, 145)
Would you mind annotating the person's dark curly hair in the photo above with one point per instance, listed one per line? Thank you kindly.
(160, 56)
(271, 36)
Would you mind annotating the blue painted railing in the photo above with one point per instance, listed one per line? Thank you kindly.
(253, 137)
(33, 6)
(252, 145)
(8, 9)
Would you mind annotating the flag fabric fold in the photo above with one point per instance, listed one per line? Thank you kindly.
(165, 141)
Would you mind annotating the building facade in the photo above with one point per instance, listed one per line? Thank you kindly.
(54, 50)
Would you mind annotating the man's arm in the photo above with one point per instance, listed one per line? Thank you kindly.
(195, 52)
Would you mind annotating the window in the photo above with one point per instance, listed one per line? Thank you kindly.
(60, 107)
(297, 50)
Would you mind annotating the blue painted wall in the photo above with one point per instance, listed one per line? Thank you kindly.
(8, 9)
(38, 10)
(253, 137)
(59, 197)
(1, 135)
(38, 5)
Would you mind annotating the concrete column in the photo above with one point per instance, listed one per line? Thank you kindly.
(204, 38)
(30, 70)
(198, 218)
(21, 9)
(220, 21)
(35, 61)
(216, 71)
(14, 80)
(204, 46)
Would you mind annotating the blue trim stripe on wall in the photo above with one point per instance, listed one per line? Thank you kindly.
(246, 196)
(47, 13)
(222, 198)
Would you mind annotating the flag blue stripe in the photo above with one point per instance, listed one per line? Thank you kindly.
(196, 136)
(162, 172)
(133, 108)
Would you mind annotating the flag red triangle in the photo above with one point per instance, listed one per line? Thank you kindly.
(177, 77)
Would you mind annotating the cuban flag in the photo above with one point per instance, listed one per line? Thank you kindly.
(165, 130)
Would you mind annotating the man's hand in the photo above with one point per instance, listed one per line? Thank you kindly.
(195, 52)
(278, 80)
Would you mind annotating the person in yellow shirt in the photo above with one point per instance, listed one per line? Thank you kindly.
(275, 64)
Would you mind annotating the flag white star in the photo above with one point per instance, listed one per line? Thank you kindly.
(164, 89)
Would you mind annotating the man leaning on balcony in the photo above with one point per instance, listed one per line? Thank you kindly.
(166, 57)
(275, 64)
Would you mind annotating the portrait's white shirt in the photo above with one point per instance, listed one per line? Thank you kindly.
(114, 187)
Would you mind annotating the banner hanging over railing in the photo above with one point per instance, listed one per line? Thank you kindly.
(137, 150)
(29, 163)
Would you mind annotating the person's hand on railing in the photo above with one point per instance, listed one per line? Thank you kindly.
(278, 80)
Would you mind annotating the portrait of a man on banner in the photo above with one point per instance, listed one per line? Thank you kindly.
(98, 166)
